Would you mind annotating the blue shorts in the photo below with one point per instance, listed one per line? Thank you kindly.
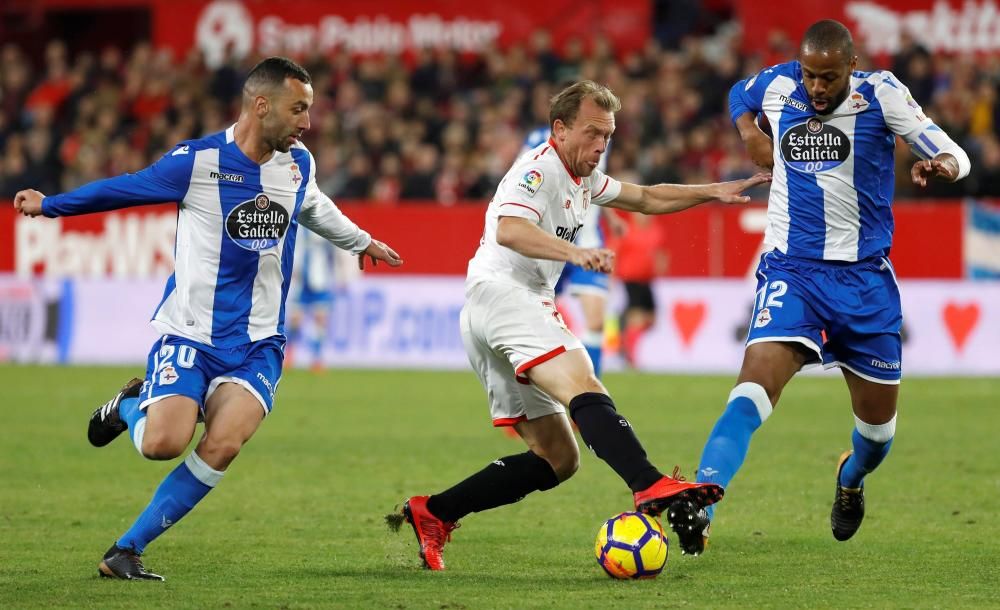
(577, 280)
(181, 367)
(848, 313)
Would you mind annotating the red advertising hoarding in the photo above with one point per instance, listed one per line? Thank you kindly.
(240, 28)
(712, 240)
(390, 26)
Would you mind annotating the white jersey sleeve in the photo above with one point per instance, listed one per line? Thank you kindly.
(323, 217)
(606, 188)
(524, 193)
(906, 119)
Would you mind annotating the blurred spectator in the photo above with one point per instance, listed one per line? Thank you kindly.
(986, 172)
(445, 127)
(639, 259)
(419, 181)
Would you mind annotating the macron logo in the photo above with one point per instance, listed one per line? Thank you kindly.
(226, 177)
(183, 150)
(793, 103)
(892, 366)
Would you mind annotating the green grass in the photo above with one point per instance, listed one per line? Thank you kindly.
(297, 522)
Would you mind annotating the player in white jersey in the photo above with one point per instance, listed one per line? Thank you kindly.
(589, 287)
(241, 194)
(826, 291)
(529, 363)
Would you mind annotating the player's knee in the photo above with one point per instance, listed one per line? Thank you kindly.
(569, 466)
(565, 462)
(763, 377)
(590, 383)
(162, 446)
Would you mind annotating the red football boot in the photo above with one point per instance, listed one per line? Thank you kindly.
(686, 503)
(432, 533)
(657, 497)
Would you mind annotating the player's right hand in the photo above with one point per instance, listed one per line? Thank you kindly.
(28, 202)
(761, 150)
(594, 259)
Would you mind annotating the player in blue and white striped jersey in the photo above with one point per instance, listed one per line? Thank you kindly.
(241, 195)
(826, 291)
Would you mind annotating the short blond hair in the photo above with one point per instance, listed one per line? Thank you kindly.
(566, 104)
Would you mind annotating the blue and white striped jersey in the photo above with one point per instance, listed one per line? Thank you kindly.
(590, 235)
(833, 175)
(236, 227)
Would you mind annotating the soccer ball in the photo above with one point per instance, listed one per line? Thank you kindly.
(631, 545)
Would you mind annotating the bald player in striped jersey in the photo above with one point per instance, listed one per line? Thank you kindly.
(826, 291)
(241, 196)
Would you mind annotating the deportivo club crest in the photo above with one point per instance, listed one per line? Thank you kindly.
(763, 318)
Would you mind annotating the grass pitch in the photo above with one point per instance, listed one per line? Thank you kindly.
(297, 521)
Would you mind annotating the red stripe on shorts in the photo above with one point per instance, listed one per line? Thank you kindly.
(508, 421)
(538, 360)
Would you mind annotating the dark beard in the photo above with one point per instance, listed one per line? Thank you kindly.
(280, 145)
(835, 103)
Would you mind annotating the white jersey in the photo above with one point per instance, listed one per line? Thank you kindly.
(540, 188)
(590, 235)
(236, 228)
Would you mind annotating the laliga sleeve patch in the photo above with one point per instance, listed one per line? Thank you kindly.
(531, 181)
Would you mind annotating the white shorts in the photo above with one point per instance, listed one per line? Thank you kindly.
(506, 331)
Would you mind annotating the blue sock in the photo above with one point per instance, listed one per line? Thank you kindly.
(871, 445)
(128, 410)
(593, 342)
(729, 441)
(316, 349)
(184, 487)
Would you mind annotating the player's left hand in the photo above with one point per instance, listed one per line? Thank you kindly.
(378, 251)
(945, 168)
(28, 202)
(729, 192)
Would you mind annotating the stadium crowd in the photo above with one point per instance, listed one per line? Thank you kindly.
(439, 126)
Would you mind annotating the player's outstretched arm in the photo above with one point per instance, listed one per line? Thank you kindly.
(941, 157)
(166, 180)
(527, 239)
(669, 198)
